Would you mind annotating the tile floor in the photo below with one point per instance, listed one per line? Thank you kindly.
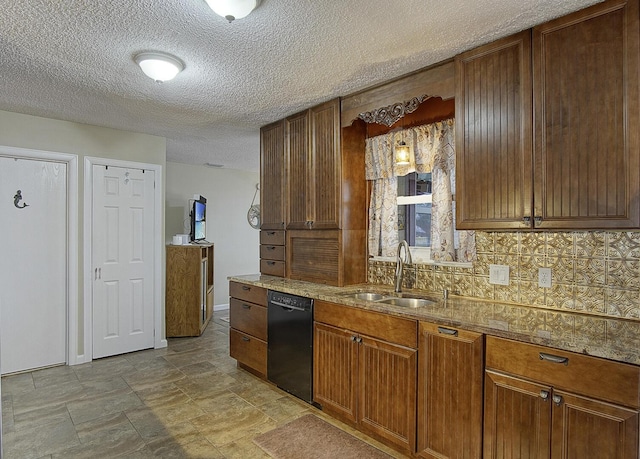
(186, 401)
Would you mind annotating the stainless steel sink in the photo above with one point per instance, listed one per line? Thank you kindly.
(407, 302)
(368, 296)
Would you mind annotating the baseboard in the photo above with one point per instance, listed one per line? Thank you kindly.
(221, 307)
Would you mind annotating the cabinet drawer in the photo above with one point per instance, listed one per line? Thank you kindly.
(248, 317)
(590, 376)
(272, 252)
(377, 325)
(272, 267)
(248, 350)
(250, 293)
(272, 237)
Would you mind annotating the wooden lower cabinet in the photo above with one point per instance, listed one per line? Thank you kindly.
(248, 322)
(335, 372)
(450, 375)
(367, 381)
(542, 403)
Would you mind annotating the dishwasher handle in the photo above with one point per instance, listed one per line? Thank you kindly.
(287, 306)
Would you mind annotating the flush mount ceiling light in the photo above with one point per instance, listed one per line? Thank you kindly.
(233, 9)
(159, 66)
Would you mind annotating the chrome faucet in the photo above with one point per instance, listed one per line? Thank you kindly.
(400, 264)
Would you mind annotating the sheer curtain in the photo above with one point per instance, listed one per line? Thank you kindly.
(433, 150)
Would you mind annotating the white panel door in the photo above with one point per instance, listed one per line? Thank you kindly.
(33, 263)
(122, 253)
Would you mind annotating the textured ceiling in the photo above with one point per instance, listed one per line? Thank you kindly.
(73, 60)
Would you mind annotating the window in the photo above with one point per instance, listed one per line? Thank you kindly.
(414, 209)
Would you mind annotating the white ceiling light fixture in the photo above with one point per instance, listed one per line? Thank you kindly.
(233, 9)
(159, 66)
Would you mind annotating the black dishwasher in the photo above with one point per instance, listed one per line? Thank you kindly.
(290, 343)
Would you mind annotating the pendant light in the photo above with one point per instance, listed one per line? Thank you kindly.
(402, 154)
(159, 66)
(233, 9)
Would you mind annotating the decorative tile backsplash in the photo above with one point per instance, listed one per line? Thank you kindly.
(596, 272)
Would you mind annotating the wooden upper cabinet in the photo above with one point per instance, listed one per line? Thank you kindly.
(586, 105)
(298, 160)
(272, 177)
(493, 135)
(547, 125)
(324, 179)
(314, 168)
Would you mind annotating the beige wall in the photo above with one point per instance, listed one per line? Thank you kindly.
(229, 194)
(24, 131)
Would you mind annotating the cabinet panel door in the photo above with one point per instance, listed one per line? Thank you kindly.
(324, 180)
(335, 357)
(493, 135)
(586, 103)
(584, 427)
(298, 161)
(450, 373)
(314, 256)
(387, 391)
(272, 177)
(517, 420)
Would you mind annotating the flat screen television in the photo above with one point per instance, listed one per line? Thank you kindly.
(198, 219)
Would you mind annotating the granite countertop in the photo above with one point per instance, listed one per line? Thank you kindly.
(615, 339)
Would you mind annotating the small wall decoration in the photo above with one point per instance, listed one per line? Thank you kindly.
(16, 200)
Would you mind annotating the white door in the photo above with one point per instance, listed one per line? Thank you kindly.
(122, 254)
(33, 263)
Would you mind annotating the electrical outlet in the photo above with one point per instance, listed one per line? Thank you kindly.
(499, 274)
(544, 277)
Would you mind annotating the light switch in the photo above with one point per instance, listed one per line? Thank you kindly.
(499, 274)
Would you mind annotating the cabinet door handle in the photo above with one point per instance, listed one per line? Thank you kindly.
(244, 338)
(353, 338)
(557, 399)
(447, 331)
(544, 395)
(554, 358)
(358, 340)
(537, 220)
(527, 220)
(246, 306)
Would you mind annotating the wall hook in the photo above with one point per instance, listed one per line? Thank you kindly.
(16, 200)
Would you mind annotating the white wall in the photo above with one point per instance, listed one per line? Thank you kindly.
(25, 131)
(229, 193)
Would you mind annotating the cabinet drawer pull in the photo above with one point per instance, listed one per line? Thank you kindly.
(246, 306)
(271, 233)
(447, 331)
(544, 395)
(271, 263)
(245, 288)
(244, 338)
(271, 247)
(554, 358)
(557, 399)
